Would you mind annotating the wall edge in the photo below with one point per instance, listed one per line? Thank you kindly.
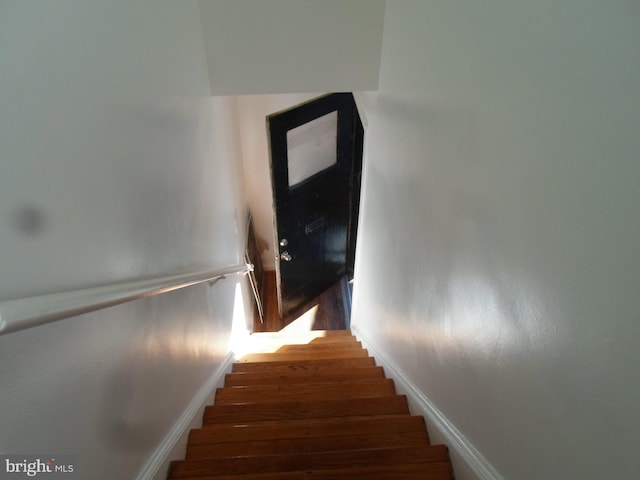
(422, 405)
(173, 444)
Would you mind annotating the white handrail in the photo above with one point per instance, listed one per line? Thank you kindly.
(23, 313)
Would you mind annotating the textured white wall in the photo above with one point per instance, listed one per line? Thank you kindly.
(115, 163)
(498, 261)
(285, 46)
(252, 124)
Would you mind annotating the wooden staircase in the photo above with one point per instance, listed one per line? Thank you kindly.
(319, 409)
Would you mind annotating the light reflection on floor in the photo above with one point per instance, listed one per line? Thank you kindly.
(298, 332)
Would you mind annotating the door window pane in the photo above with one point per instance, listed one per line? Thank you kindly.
(312, 147)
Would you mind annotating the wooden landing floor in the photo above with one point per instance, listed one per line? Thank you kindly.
(326, 312)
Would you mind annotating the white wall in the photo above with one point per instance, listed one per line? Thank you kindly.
(252, 124)
(285, 46)
(115, 163)
(498, 260)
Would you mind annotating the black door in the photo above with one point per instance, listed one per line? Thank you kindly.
(313, 172)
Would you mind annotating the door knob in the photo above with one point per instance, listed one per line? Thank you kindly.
(285, 256)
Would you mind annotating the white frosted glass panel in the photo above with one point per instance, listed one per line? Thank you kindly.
(312, 147)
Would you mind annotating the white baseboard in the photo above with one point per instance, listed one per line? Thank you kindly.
(460, 448)
(174, 444)
(346, 300)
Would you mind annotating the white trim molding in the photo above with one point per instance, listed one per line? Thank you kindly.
(455, 439)
(174, 443)
(23, 313)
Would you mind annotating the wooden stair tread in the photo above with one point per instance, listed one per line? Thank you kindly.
(303, 365)
(307, 428)
(297, 376)
(407, 471)
(333, 339)
(337, 340)
(330, 443)
(299, 391)
(298, 410)
(311, 406)
(308, 461)
(309, 335)
(275, 344)
(308, 354)
(323, 333)
(314, 347)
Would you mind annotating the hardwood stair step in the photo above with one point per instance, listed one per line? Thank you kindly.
(299, 410)
(274, 344)
(299, 339)
(314, 407)
(308, 461)
(312, 334)
(303, 365)
(331, 443)
(306, 428)
(296, 376)
(309, 354)
(321, 333)
(316, 347)
(300, 391)
(399, 471)
(334, 339)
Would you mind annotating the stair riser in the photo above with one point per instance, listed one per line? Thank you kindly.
(337, 375)
(335, 353)
(303, 365)
(313, 391)
(410, 471)
(308, 461)
(304, 445)
(305, 410)
(307, 429)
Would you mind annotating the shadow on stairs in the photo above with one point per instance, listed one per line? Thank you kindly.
(310, 405)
